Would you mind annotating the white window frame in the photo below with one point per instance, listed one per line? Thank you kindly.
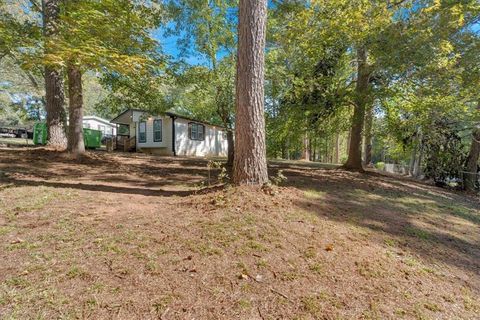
(194, 132)
(140, 140)
(160, 131)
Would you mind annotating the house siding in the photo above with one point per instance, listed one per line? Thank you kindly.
(161, 147)
(214, 143)
(109, 129)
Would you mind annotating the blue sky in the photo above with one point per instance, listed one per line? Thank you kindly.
(476, 28)
(170, 47)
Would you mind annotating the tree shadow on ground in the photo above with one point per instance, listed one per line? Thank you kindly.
(418, 216)
(119, 172)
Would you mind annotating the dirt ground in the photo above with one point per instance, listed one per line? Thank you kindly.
(131, 236)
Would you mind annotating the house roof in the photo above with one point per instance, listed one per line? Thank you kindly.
(105, 121)
(168, 113)
(117, 118)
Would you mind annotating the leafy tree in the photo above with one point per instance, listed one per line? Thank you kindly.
(99, 35)
(207, 28)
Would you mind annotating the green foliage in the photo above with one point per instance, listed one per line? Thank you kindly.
(279, 178)
(109, 37)
(445, 151)
(422, 56)
(380, 165)
(208, 27)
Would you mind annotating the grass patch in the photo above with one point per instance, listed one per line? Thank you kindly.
(432, 307)
(315, 194)
(316, 268)
(418, 233)
(161, 304)
(369, 270)
(460, 211)
(76, 272)
(389, 242)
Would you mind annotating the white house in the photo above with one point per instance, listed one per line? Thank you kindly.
(97, 123)
(171, 134)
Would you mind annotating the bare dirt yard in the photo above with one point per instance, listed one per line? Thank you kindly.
(131, 236)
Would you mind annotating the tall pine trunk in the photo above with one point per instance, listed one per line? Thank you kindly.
(75, 98)
(368, 136)
(250, 163)
(54, 90)
(337, 148)
(417, 168)
(354, 161)
(306, 148)
(413, 159)
(471, 166)
(230, 148)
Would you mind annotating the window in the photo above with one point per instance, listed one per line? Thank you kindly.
(123, 130)
(157, 130)
(86, 125)
(142, 132)
(196, 131)
(101, 128)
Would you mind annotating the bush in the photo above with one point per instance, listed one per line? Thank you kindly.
(380, 165)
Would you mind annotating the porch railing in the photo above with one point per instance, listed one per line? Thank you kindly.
(126, 144)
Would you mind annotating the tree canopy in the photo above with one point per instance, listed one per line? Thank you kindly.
(347, 81)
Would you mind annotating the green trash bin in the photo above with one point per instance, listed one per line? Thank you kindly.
(92, 138)
(40, 133)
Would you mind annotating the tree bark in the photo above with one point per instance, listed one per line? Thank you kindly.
(230, 148)
(413, 159)
(337, 148)
(76, 144)
(368, 136)
(349, 137)
(284, 150)
(471, 167)
(417, 168)
(54, 89)
(250, 163)
(306, 148)
(314, 149)
(354, 161)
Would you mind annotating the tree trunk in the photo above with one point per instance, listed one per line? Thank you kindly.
(354, 161)
(54, 92)
(230, 148)
(337, 148)
(284, 150)
(471, 167)
(413, 159)
(75, 98)
(250, 163)
(368, 136)
(306, 148)
(417, 168)
(349, 137)
(314, 149)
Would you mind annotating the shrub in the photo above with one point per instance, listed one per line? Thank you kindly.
(380, 165)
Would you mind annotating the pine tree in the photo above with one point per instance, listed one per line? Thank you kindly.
(250, 163)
